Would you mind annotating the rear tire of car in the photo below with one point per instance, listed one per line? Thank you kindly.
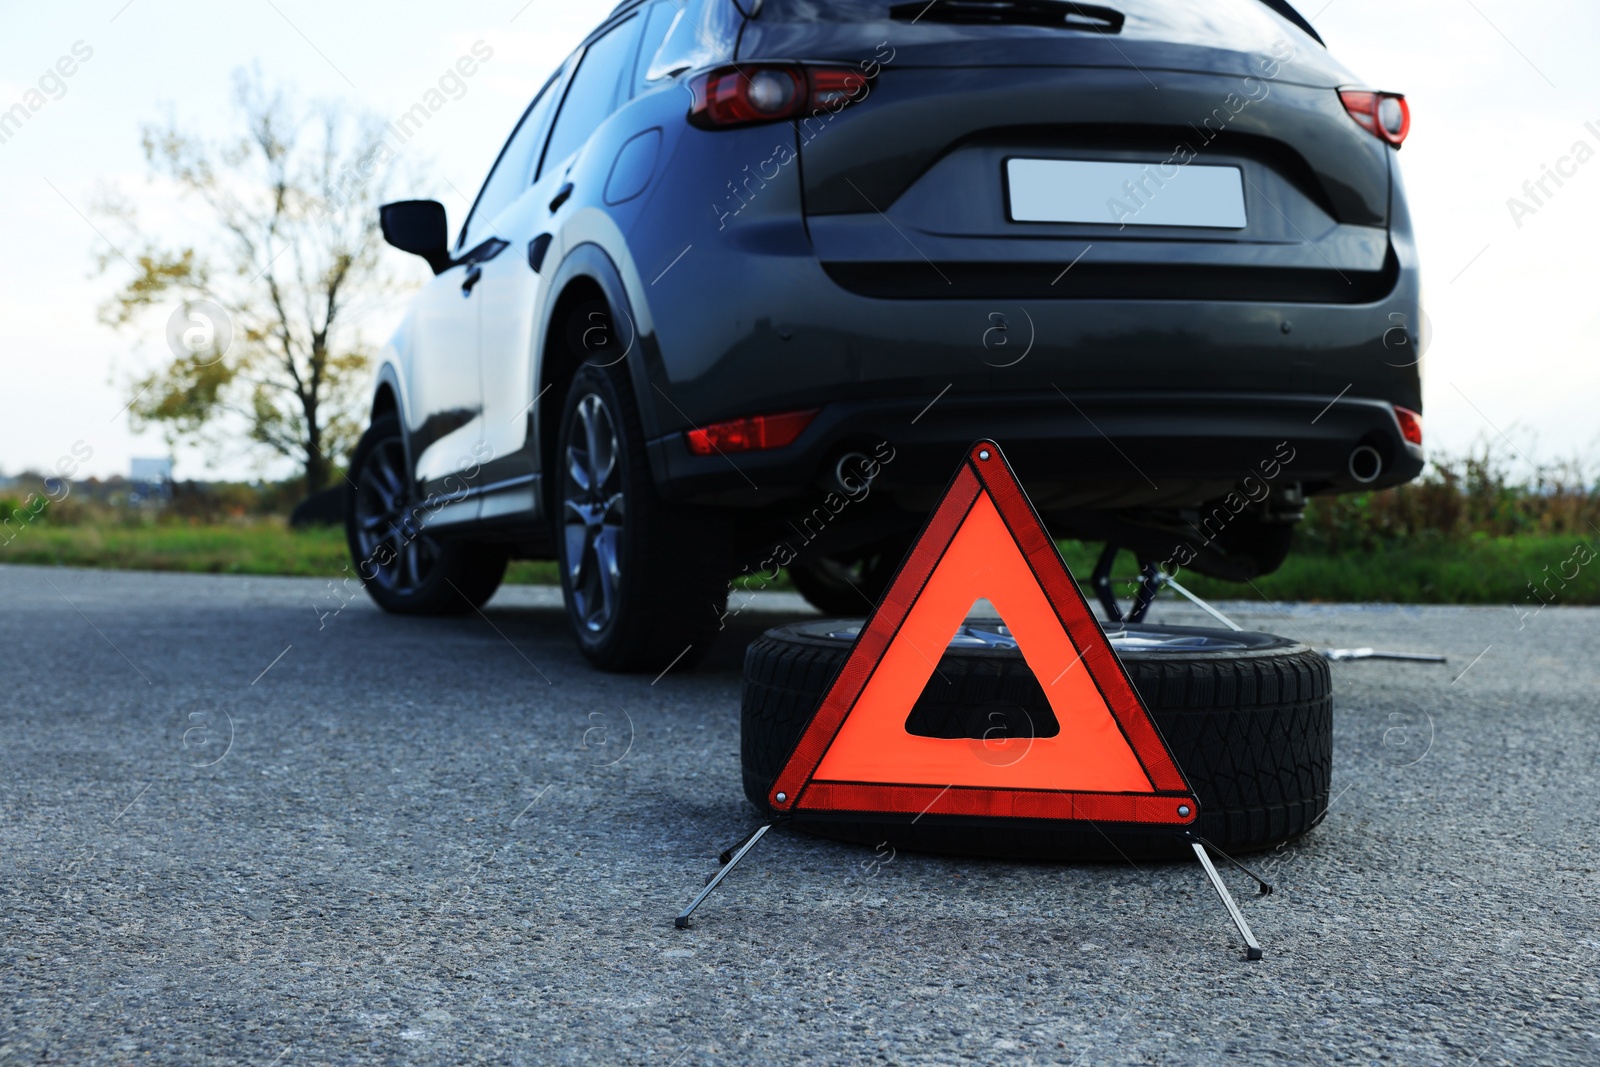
(848, 587)
(645, 582)
(406, 570)
(1255, 546)
(1250, 722)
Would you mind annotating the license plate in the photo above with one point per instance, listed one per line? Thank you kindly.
(1125, 194)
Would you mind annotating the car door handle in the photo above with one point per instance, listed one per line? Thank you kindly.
(536, 251)
(562, 196)
(474, 272)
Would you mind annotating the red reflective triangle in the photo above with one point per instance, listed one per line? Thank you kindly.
(1108, 763)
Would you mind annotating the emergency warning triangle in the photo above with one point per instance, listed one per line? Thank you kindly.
(1107, 763)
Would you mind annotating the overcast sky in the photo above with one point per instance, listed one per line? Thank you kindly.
(1499, 89)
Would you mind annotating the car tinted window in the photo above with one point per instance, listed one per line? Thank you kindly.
(593, 96)
(657, 23)
(827, 10)
(513, 171)
(702, 35)
(876, 10)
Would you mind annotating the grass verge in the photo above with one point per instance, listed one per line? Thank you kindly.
(1473, 570)
(244, 548)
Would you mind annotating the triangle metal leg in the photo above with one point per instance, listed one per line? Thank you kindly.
(1252, 946)
(726, 855)
(682, 921)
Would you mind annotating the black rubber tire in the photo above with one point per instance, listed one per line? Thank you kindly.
(1252, 729)
(463, 575)
(1256, 548)
(673, 560)
(849, 588)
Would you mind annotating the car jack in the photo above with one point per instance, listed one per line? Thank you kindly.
(1152, 580)
(1149, 585)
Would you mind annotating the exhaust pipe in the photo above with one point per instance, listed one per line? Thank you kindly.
(1366, 463)
(850, 474)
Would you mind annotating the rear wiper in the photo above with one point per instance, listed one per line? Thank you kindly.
(1284, 8)
(1062, 14)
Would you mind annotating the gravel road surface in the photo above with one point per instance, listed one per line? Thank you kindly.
(255, 821)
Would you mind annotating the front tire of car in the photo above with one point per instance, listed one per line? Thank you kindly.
(644, 581)
(406, 570)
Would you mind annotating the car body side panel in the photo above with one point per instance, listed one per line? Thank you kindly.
(453, 452)
(718, 243)
(630, 249)
(439, 361)
(512, 296)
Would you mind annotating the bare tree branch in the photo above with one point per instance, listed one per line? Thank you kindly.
(294, 263)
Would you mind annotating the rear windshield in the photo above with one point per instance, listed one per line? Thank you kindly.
(874, 10)
(825, 10)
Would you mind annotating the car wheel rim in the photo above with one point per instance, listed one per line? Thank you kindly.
(395, 554)
(593, 512)
(995, 635)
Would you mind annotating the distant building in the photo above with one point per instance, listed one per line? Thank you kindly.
(149, 481)
(149, 470)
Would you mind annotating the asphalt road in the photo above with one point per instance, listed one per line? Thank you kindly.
(239, 828)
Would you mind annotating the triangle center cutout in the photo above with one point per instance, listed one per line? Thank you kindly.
(951, 705)
(1090, 753)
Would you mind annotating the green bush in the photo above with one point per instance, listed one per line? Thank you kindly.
(16, 515)
(1457, 497)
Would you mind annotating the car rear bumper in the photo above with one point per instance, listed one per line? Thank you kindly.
(1103, 404)
(1074, 449)
(1171, 395)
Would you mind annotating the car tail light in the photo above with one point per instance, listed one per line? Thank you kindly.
(1384, 115)
(1410, 424)
(753, 434)
(735, 96)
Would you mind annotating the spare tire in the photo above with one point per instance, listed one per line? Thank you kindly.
(1248, 717)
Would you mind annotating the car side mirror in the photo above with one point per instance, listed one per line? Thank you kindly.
(418, 227)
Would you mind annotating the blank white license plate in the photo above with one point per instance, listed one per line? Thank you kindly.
(1125, 194)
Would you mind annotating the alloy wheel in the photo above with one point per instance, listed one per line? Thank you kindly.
(395, 553)
(592, 513)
